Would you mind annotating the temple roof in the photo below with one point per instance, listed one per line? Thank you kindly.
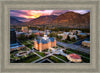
(45, 41)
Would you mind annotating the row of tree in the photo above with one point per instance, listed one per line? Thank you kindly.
(24, 37)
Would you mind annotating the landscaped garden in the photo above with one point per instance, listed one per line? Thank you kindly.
(62, 57)
(28, 59)
(55, 60)
(28, 44)
(40, 53)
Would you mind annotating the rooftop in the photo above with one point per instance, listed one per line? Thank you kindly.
(12, 29)
(45, 41)
(74, 56)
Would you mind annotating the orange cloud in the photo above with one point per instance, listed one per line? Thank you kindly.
(36, 13)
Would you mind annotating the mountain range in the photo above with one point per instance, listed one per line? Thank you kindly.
(14, 20)
(68, 19)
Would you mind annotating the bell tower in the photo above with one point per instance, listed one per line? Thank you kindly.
(35, 44)
(54, 41)
(49, 44)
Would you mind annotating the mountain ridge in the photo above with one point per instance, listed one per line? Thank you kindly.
(68, 19)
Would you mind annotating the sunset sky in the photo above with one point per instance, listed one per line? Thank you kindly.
(26, 15)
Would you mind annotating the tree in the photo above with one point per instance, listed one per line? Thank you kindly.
(52, 34)
(68, 38)
(73, 39)
(22, 37)
(41, 35)
(32, 36)
(59, 37)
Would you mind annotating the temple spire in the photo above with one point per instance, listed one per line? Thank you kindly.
(40, 41)
(35, 39)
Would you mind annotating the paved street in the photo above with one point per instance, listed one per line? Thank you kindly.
(45, 60)
(75, 47)
(41, 58)
(37, 54)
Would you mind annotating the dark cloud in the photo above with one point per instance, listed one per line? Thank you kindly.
(18, 12)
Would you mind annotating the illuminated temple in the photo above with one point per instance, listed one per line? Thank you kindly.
(44, 43)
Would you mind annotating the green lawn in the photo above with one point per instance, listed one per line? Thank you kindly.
(62, 57)
(46, 50)
(55, 60)
(30, 46)
(27, 44)
(41, 54)
(33, 58)
(67, 51)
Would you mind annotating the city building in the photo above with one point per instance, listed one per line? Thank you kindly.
(73, 36)
(48, 31)
(35, 32)
(41, 32)
(19, 33)
(12, 36)
(66, 34)
(14, 45)
(44, 43)
(82, 34)
(86, 43)
(75, 32)
(25, 29)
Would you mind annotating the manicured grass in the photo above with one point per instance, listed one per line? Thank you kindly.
(24, 49)
(55, 60)
(11, 56)
(67, 51)
(62, 57)
(46, 50)
(28, 44)
(41, 54)
(33, 58)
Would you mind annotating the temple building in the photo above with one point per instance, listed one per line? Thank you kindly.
(44, 43)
